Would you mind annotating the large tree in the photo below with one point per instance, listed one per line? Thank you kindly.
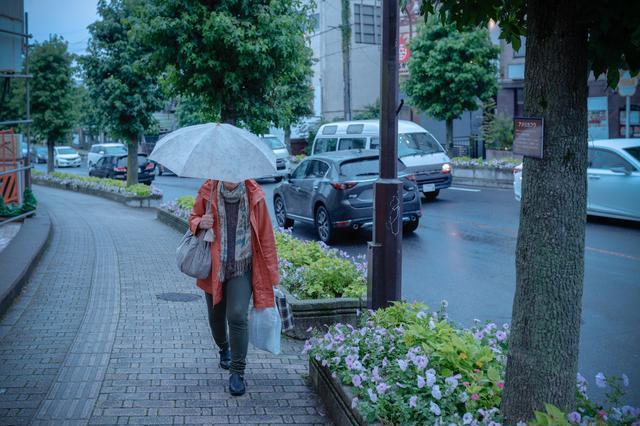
(51, 93)
(229, 53)
(451, 71)
(119, 79)
(564, 42)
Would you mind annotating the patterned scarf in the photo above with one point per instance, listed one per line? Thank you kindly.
(243, 250)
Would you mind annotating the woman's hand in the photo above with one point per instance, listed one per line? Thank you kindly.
(206, 222)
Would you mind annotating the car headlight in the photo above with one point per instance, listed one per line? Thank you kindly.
(446, 168)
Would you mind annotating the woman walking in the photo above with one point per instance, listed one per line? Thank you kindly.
(244, 262)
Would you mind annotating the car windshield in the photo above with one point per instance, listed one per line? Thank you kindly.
(115, 150)
(634, 151)
(363, 167)
(41, 150)
(66, 151)
(273, 142)
(142, 160)
(417, 144)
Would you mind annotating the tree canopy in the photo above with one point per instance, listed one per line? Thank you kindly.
(232, 54)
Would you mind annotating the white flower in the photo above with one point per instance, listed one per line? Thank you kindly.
(467, 418)
(464, 397)
(354, 402)
(625, 380)
(601, 380)
(413, 401)
(402, 364)
(431, 377)
(372, 396)
(421, 314)
(421, 382)
(433, 407)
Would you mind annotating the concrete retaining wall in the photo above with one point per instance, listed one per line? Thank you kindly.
(491, 178)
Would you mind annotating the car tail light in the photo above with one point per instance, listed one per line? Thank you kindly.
(343, 185)
(446, 168)
(119, 169)
(149, 166)
(516, 170)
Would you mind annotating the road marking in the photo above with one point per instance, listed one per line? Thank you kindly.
(455, 188)
(613, 253)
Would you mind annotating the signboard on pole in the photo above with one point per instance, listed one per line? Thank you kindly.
(627, 84)
(528, 136)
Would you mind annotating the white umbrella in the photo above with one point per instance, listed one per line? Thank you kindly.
(215, 151)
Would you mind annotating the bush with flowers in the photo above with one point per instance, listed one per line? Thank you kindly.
(407, 366)
(479, 163)
(101, 184)
(312, 270)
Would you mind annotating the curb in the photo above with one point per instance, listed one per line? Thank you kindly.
(20, 257)
(131, 201)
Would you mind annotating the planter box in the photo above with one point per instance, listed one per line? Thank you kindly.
(492, 178)
(318, 313)
(497, 154)
(336, 397)
(129, 200)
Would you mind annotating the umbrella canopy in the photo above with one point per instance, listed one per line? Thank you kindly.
(215, 151)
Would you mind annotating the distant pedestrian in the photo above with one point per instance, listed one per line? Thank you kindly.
(244, 262)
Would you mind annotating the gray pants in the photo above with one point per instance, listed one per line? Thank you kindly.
(233, 310)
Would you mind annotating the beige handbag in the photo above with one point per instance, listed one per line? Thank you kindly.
(193, 254)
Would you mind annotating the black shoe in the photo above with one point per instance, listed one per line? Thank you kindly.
(237, 386)
(225, 358)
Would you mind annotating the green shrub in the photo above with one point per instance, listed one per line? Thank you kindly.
(186, 202)
(140, 189)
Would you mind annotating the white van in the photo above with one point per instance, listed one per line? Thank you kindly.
(418, 149)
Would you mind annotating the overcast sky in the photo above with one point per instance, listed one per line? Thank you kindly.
(67, 18)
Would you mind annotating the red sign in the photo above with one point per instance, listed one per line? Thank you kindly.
(405, 53)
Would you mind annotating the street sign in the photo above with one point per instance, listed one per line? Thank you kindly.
(528, 136)
(627, 84)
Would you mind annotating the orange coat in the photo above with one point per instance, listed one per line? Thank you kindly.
(265, 259)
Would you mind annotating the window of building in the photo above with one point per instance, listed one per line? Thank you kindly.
(367, 22)
(515, 71)
(518, 102)
(523, 48)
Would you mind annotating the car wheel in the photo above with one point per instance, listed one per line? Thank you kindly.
(430, 196)
(323, 225)
(281, 214)
(410, 227)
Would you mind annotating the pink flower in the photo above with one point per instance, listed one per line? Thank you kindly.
(475, 397)
(603, 414)
(466, 384)
(500, 385)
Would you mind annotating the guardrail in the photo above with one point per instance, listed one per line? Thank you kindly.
(12, 188)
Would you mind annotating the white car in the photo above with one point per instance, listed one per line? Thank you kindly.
(65, 156)
(613, 185)
(282, 155)
(100, 150)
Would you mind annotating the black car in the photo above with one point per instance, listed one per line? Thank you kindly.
(39, 154)
(115, 167)
(334, 191)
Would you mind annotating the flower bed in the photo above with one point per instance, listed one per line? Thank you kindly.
(116, 190)
(407, 366)
(506, 164)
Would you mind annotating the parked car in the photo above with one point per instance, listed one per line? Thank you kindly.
(162, 170)
(334, 191)
(39, 154)
(418, 149)
(115, 167)
(613, 184)
(23, 149)
(65, 156)
(100, 150)
(282, 156)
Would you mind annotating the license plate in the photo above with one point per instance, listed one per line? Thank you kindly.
(428, 187)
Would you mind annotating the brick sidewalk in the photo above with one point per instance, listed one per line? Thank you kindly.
(89, 341)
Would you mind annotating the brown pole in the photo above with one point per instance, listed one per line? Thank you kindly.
(385, 252)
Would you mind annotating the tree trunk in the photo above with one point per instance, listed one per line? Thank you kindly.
(287, 138)
(346, 57)
(543, 353)
(50, 165)
(132, 162)
(449, 123)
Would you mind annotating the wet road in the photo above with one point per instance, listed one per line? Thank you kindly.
(463, 251)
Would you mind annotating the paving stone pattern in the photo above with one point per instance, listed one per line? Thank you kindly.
(89, 342)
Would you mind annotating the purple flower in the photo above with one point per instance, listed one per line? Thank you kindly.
(574, 417)
(478, 335)
(435, 392)
(421, 382)
(433, 407)
(356, 380)
(625, 380)
(452, 382)
(601, 380)
(402, 364)
(354, 402)
(501, 336)
(372, 396)
(413, 401)
(467, 418)
(431, 377)
(421, 362)
(421, 315)
(382, 388)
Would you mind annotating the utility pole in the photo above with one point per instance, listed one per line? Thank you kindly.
(385, 252)
(346, 56)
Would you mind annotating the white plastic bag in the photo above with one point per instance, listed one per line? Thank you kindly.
(264, 329)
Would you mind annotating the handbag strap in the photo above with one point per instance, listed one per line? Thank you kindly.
(210, 199)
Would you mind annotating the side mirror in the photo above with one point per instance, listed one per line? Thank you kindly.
(620, 169)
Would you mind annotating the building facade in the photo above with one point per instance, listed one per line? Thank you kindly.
(606, 109)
